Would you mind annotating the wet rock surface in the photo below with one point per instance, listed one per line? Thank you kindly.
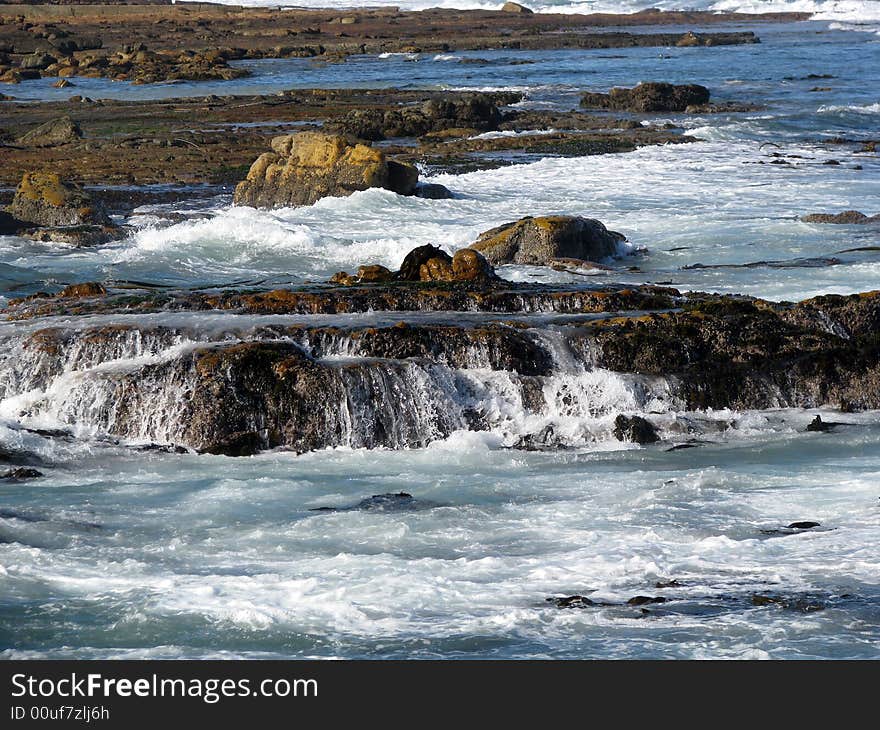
(636, 429)
(281, 386)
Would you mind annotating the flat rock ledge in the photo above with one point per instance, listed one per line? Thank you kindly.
(277, 385)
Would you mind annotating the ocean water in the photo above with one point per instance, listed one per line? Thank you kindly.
(126, 552)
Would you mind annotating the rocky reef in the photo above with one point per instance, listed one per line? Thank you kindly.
(409, 374)
(651, 96)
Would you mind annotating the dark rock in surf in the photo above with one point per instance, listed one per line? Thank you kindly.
(650, 96)
(636, 429)
(800, 604)
(806, 525)
(474, 112)
(817, 424)
(21, 474)
(378, 502)
(410, 269)
(433, 191)
(645, 600)
(571, 602)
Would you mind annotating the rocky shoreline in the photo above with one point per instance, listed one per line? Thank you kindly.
(199, 41)
(331, 380)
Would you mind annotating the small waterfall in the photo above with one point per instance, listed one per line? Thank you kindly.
(150, 384)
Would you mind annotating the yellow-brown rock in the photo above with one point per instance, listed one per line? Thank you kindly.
(305, 167)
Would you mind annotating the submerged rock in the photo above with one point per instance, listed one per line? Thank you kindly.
(308, 166)
(651, 96)
(20, 474)
(571, 602)
(636, 429)
(800, 604)
(645, 600)
(54, 133)
(389, 502)
(540, 241)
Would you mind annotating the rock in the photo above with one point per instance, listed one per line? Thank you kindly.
(433, 191)
(636, 429)
(378, 502)
(817, 424)
(80, 236)
(20, 474)
(343, 278)
(651, 96)
(38, 61)
(644, 600)
(511, 7)
(461, 114)
(538, 241)
(9, 224)
(79, 291)
(54, 133)
(62, 84)
(689, 39)
(469, 265)
(847, 217)
(803, 605)
(465, 265)
(374, 274)
(308, 166)
(803, 525)
(571, 602)
(436, 269)
(43, 199)
(410, 269)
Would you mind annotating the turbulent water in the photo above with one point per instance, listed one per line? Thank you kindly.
(121, 551)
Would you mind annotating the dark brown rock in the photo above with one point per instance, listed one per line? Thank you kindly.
(636, 429)
(651, 96)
